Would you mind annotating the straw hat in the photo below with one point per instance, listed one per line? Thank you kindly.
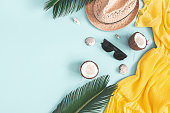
(109, 15)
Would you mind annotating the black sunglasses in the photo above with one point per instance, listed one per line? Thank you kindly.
(109, 47)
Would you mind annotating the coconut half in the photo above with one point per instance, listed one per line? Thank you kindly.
(89, 70)
(137, 41)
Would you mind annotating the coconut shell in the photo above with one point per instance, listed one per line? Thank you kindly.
(133, 44)
(81, 69)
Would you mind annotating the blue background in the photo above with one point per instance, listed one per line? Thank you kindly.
(40, 57)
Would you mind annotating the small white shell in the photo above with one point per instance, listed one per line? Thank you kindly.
(117, 36)
(123, 69)
(90, 41)
(76, 21)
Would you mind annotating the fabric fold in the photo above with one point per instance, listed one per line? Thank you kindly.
(149, 90)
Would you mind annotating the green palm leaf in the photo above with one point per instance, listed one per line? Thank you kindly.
(91, 97)
(65, 7)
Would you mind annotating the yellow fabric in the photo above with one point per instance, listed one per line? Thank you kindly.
(149, 90)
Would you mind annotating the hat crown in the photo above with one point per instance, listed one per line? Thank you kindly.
(111, 11)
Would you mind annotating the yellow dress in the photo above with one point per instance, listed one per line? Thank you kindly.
(149, 90)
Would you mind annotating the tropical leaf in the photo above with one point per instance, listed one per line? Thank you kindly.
(65, 7)
(90, 98)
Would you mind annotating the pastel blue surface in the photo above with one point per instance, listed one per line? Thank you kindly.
(40, 57)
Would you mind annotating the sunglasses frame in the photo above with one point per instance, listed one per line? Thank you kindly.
(109, 47)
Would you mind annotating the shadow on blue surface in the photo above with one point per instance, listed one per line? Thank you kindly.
(75, 67)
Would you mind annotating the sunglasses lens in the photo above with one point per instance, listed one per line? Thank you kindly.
(119, 55)
(107, 46)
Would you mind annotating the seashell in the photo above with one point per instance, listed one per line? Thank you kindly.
(90, 41)
(76, 21)
(123, 69)
(117, 36)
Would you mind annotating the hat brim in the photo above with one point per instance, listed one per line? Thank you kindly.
(113, 26)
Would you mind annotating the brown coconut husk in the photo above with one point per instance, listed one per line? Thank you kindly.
(81, 69)
(132, 44)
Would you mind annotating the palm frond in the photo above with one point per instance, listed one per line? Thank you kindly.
(91, 97)
(65, 7)
(99, 101)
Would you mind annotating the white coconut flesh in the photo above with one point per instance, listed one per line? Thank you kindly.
(89, 69)
(140, 40)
